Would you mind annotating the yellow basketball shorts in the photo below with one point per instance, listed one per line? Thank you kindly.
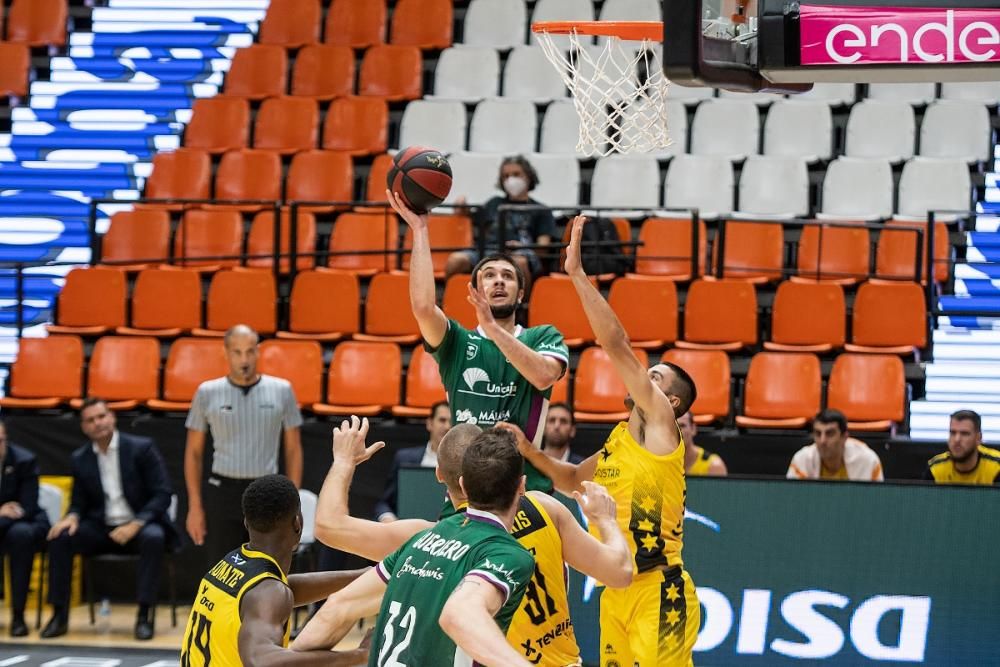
(652, 623)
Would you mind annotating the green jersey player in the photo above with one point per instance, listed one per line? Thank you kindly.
(446, 597)
(498, 372)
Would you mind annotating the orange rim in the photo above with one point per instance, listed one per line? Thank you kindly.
(628, 30)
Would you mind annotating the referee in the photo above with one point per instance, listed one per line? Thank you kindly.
(246, 413)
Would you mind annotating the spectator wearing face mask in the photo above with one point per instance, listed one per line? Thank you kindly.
(526, 227)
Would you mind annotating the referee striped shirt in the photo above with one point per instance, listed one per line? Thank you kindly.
(246, 423)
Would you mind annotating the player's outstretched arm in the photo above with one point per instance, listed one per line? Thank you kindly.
(360, 599)
(423, 298)
(542, 371)
(566, 477)
(467, 618)
(611, 334)
(609, 559)
(264, 611)
(309, 587)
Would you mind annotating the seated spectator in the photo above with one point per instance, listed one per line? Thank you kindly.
(121, 495)
(560, 429)
(967, 461)
(834, 454)
(23, 524)
(517, 179)
(411, 457)
(697, 461)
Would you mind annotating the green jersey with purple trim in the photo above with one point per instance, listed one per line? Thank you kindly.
(484, 388)
(424, 572)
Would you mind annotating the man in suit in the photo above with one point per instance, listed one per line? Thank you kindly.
(560, 429)
(121, 495)
(413, 457)
(23, 524)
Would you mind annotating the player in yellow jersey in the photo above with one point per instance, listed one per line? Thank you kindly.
(655, 621)
(697, 461)
(240, 614)
(967, 460)
(541, 628)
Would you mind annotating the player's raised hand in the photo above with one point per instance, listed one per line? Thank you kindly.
(349, 442)
(477, 297)
(523, 444)
(574, 264)
(412, 218)
(596, 503)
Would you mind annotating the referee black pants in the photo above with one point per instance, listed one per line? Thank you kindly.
(222, 500)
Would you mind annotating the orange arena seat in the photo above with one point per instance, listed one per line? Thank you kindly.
(218, 124)
(208, 235)
(181, 174)
(363, 379)
(391, 72)
(291, 23)
(165, 303)
(560, 390)
(124, 370)
(324, 305)
(356, 23)
(47, 372)
(870, 389)
(388, 315)
(666, 248)
(782, 390)
(555, 301)
(888, 317)
(834, 253)
(357, 125)
(190, 362)
(91, 302)
(317, 175)
(720, 315)
(287, 124)
(754, 251)
(423, 386)
(298, 361)
(426, 24)
(364, 232)
(15, 64)
(258, 71)
(711, 374)
(445, 231)
(324, 71)
(455, 302)
(377, 176)
(248, 174)
(647, 308)
(136, 239)
(260, 240)
(896, 252)
(808, 317)
(240, 297)
(37, 22)
(598, 391)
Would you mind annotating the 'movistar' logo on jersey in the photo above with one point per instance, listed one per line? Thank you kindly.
(475, 378)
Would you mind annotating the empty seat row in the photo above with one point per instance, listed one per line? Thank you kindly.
(425, 24)
(782, 390)
(388, 71)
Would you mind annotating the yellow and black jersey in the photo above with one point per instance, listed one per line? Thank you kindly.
(702, 463)
(650, 491)
(942, 470)
(212, 633)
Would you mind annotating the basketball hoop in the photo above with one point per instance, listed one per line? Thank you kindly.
(618, 87)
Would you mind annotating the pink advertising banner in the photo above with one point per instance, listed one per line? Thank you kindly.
(898, 35)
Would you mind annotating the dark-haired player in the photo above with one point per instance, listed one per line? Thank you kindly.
(500, 371)
(654, 622)
(240, 614)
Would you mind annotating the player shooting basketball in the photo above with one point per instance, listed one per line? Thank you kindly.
(654, 622)
(540, 629)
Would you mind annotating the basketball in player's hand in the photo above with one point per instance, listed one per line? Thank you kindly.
(421, 176)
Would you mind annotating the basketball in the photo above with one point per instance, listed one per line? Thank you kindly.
(422, 177)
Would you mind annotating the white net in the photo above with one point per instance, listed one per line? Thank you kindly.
(618, 89)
